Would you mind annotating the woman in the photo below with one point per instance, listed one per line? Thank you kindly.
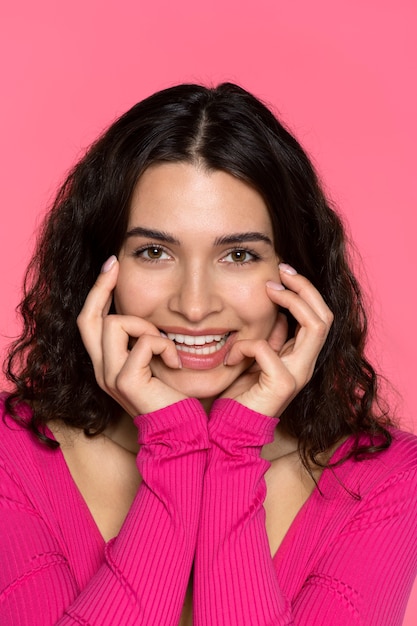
(199, 405)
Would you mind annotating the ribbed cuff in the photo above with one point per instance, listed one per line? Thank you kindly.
(185, 420)
(231, 420)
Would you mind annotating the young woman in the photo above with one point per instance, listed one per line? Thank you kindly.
(193, 434)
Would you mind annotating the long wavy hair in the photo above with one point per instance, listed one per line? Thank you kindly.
(225, 128)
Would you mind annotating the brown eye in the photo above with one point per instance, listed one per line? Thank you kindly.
(239, 256)
(154, 252)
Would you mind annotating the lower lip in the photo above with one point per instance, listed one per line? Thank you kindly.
(205, 361)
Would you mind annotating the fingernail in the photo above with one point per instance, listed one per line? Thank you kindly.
(276, 286)
(284, 267)
(108, 264)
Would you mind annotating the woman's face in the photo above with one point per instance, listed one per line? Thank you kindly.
(195, 260)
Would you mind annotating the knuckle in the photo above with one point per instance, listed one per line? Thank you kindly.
(142, 342)
(329, 319)
(290, 386)
(287, 387)
(321, 328)
(122, 384)
(81, 318)
(110, 322)
(262, 345)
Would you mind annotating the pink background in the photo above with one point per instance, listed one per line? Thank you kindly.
(342, 74)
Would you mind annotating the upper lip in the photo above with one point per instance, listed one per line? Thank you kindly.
(193, 332)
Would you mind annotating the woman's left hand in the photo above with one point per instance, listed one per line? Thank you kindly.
(282, 366)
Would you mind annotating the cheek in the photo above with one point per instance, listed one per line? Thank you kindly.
(133, 296)
(256, 309)
(267, 316)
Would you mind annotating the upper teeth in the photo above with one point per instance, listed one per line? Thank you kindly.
(194, 340)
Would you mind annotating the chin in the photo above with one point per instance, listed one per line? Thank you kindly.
(205, 384)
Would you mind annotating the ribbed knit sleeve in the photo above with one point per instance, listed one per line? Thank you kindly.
(235, 583)
(348, 559)
(147, 566)
(365, 575)
(362, 575)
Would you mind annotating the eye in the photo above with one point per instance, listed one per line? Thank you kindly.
(240, 256)
(152, 253)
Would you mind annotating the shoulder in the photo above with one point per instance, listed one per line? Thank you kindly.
(20, 449)
(12, 430)
(403, 450)
(11, 426)
(29, 470)
(397, 464)
(400, 457)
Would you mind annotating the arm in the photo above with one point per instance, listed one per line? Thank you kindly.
(366, 574)
(364, 577)
(235, 580)
(146, 570)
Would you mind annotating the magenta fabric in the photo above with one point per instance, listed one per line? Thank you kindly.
(349, 558)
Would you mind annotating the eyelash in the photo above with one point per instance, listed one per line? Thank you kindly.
(137, 253)
(255, 256)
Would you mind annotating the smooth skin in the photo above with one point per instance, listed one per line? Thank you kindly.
(202, 274)
(281, 370)
(192, 285)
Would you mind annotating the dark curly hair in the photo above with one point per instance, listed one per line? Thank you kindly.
(225, 128)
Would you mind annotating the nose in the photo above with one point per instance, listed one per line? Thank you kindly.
(195, 294)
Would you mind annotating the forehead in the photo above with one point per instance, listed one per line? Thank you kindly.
(182, 196)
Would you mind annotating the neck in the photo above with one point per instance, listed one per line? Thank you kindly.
(124, 433)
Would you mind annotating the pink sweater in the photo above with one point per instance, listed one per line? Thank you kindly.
(345, 561)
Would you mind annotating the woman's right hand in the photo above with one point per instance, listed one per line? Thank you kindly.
(124, 372)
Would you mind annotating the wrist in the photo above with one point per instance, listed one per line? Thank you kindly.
(184, 420)
(229, 419)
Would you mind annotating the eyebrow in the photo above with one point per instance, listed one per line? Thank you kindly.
(242, 238)
(150, 233)
(160, 235)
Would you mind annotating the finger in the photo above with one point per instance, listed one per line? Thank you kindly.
(306, 316)
(96, 306)
(275, 386)
(299, 354)
(118, 331)
(146, 348)
(135, 385)
(307, 293)
(102, 290)
(279, 333)
(305, 303)
(259, 350)
(306, 290)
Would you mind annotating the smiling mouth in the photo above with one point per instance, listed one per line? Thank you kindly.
(199, 344)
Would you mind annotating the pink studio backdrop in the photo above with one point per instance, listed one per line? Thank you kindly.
(342, 75)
